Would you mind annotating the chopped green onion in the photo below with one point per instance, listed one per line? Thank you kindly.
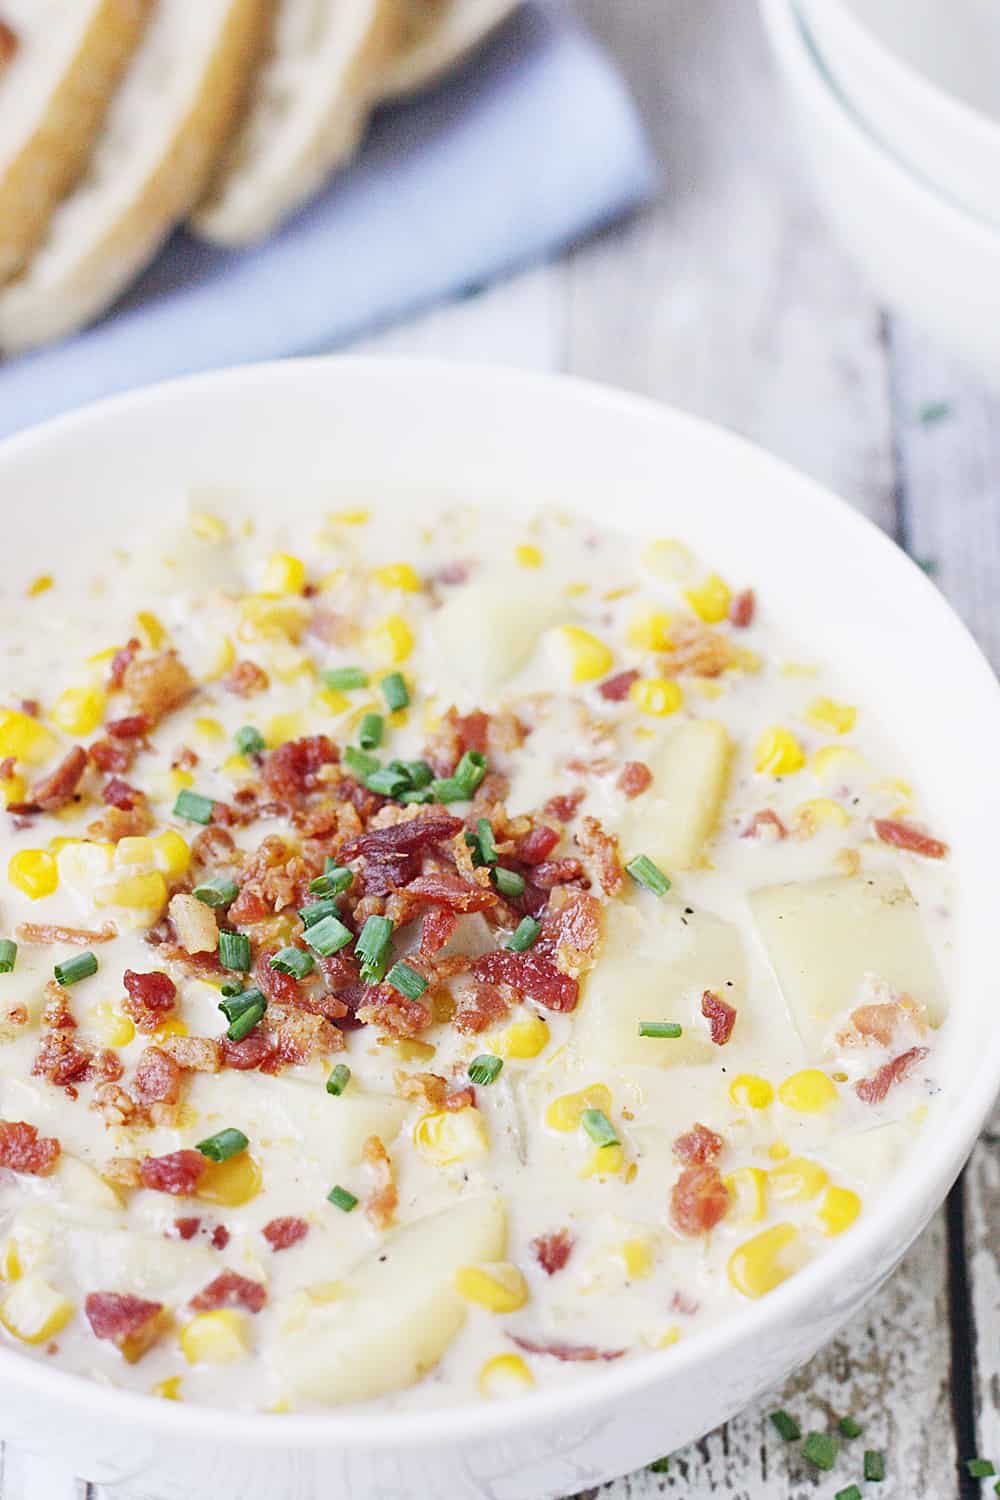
(222, 1146)
(8, 955)
(231, 987)
(849, 1428)
(874, 1465)
(482, 843)
(394, 691)
(294, 961)
(643, 870)
(787, 1426)
(418, 771)
(470, 770)
(850, 1493)
(243, 1012)
(343, 679)
(660, 1466)
(485, 1068)
(600, 1129)
(193, 807)
(250, 741)
(406, 980)
(328, 936)
(370, 731)
(979, 1468)
(447, 789)
(360, 763)
(234, 950)
(372, 948)
(525, 935)
(338, 1079)
(820, 1449)
(422, 795)
(341, 1198)
(333, 882)
(507, 882)
(387, 783)
(317, 910)
(671, 1029)
(217, 892)
(996, 1488)
(74, 969)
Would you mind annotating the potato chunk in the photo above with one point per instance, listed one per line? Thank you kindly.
(490, 628)
(673, 820)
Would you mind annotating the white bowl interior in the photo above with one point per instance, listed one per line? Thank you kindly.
(954, 46)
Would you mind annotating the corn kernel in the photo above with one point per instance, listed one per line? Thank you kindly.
(271, 618)
(151, 629)
(584, 656)
(746, 1187)
(350, 517)
(34, 1311)
(331, 701)
(288, 663)
(649, 630)
(231, 1182)
(81, 863)
(528, 556)
(637, 1258)
(216, 1338)
(798, 1179)
(25, 738)
(499, 1287)
(522, 1039)
(397, 576)
(333, 580)
(283, 727)
(238, 768)
(658, 696)
(207, 526)
(604, 1161)
(34, 872)
(445, 1137)
(834, 761)
(169, 1389)
(760, 1264)
(819, 812)
(171, 853)
(831, 717)
(172, 1026)
(808, 1091)
(223, 660)
(839, 1209)
(667, 1339)
(134, 851)
(743, 659)
(778, 753)
(390, 641)
(752, 1091)
(779, 1151)
(79, 710)
(209, 729)
(576, 590)
(505, 1375)
(284, 574)
(564, 1113)
(40, 585)
(710, 600)
(14, 789)
(115, 1030)
(164, 785)
(11, 1268)
(143, 893)
(668, 559)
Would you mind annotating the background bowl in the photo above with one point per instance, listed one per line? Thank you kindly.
(309, 435)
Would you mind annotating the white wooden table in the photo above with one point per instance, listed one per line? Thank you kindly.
(730, 298)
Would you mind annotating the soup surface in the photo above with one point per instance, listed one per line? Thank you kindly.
(441, 956)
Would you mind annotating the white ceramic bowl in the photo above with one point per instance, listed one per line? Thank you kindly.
(326, 431)
(927, 257)
(925, 77)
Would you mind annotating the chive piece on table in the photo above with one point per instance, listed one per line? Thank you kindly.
(372, 949)
(223, 1145)
(8, 955)
(820, 1449)
(406, 981)
(338, 1079)
(343, 679)
(359, 762)
(217, 892)
(600, 1129)
(327, 936)
(671, 1029)
(341, 1198)
(485, 1068)
(874, 1465)
(250, 741)
(980, 1468)
(193, 806)
(370, 731)
(234, 950)
(294, 961)
(849, 1428)
(394, 691)
(74, 969)
(646, 873)
(334, 880)
(507, 882)
(525, 935)
(787, 1426)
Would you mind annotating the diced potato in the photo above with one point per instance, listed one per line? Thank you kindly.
(490, 628)
(80, 1184)
(147, 1265)
(824, 936)
(871, 1156)
(673, 820)
(396, 1314)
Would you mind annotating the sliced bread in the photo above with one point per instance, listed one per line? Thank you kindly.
(438, 34)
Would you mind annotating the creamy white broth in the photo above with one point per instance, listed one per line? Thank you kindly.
(486, 624)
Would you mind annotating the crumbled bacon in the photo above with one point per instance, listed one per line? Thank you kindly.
(252, 1052)
(275, 879)
(110, 756)
(177, 1173)
(193, 1054)
(299, 1035)
(184, 759)
(122, 823)
(436, 930)
(571, 930)
(698, 1145)
(457, 734)
(552, 1251)
(603, 849)
(150, 997)
(245, 679)
(874, 1089)
(479, 1007)
(531, 975)
(903, 836)
(765, 824)
(568, 1353)
(132, 1324)
(565, 806)
(230, 1289)
(698, 649)
(720, 1016)
(186, 1229)
(118, 793)
(282, 1234)
(698, 1201)
(62, 1060)
(410, 837)
(635, 778)
(219, 1237)
(382, 1202)
(616, 689)
(536, 846)
(116, 1105)
(553, 872)
(121, 661)
(293, 769)
(129, 727)
(22, 1149)
(59, 787)
(741, 609)
(428, 1088)
(276, 986)
(53, 932)
(880, 1021)
(438, 888)
(156, 1086)
(157, 686)
(381, 1005)
(461, 1099)
(8, 43)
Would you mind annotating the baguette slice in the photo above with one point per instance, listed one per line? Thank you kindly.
(438, 34)
(65, 60)
(308, 110)
(168, 122)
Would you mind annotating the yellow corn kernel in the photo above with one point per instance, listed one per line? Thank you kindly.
(760, 1264)
(209, 729)
(223, 660)
(115, 1030)
(668, 559)
(331, 701)
(144, 893)
(231, 1182)
(499, 1287)
(25, 738)
(216, 1338)
(834, 761)
(808, 1091)
(779, 1151)
(658, 696)
(839, 1209)
(397, 576)
(238, 768)
(284, 574)
(752, 1091)
(34, 1311)
(584, 656)
(171, 853)
(637, 1258)
(40, 585)
(831, 717)
(151, 629)
(604, 1161)
(390, 641)
(528, 556)
(778, 753)
(34, 872)
(172, 1026)
(349, 517)
(445, 1137)
(522, 1039)
(207, 526)
(747, 1189)
(169, 1389)
(745, 660)
(505, 1375)
(283, 727)
(11, 1268)
(649, 630)
(565, 1112)
(164, 785)
(798, 1179)
(81, 863)
(79, 710)
(819, 812)
(710, 600)
(14, 789)
(134, 851)
(576, 590)
(271, 618)
(667, 1338)
(288, 663)
(332, 580)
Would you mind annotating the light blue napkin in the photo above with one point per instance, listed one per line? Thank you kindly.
(533, 144)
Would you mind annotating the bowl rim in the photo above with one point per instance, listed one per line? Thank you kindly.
(351, 1429)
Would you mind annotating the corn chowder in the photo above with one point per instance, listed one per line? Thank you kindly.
(437, 959)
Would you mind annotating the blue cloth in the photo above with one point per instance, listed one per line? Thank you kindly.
(530, 146)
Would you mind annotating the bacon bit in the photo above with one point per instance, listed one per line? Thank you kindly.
(299, 1035)
(59, 787)
(118, 793)
(52, 932)
(382, 1006)
(17, 1015)
(552, 1251)
(479, 1007)
(698, 1145)
(382, 1203)
(252, 1052)
(282, 1234)
(411, 837)
(293, 769)
(874, 1089)
(903, 836)
(531, 975)
(274, 879)
(130, 727)
(616, 689)
(156, 1085)
(426, 1088)
(461, 1099)
(116, 1105)
(603, 848)
(568, 1353)
(741, 609)
(721, 1017)
(186, 1229)
(213, 847)
(635, 778)
(123, 1172)
(536, 847)
(61, 1060)
(220, 1237)
(454, 572)
(458, 733)
(441, 889)
(110, 757)
(132, 1324)
(698, 1201)
(681, 1303)
(698, 649)
(150, 998)
(555, 872)
(245, 679)
(436, 930)
(8, 44)
(193, 1054)
(880, 1022)
(177, 1173)
(122, 823)
(22, 1149)
(571, 930)
(159, 685)
(765, 824)
(230, 1289)
(121, 661)
(184, 759)
(276, 986)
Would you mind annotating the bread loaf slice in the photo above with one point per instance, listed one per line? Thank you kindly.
(438, 34)
(178, 104)
(60, 62)
(308, 109)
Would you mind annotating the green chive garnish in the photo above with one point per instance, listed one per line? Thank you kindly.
(8, 955)
(482, 843)
(421, 795)
(820, 1449)
(359, 762)
(406, 980)
(979, 1468)
(250, 741)
(328, 936)
(75, 969)
(333, 882)
(230, 988)
(671, 1029)
(317, 910)
(243, 1012)
(222, 1146)
(643, 870)
(851, 1493)
(525, 935)
(217, 891)
(470, 770)
(388, 783)
(338, 1079)
(787, 1426)
(370, 731)
(193, 807)
(447, 789)
(418, 771)
(394, 691)
(600, 1129)
(485, 1068)
(294, 961)
(343, 679)
(372, 948)
(660, 1466)
(849, 1428)
(234, 950)
(874, 1465)
(341, 1198)
(507, 882)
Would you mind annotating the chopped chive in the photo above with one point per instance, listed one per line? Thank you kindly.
(849, 1428)
(74, 969)
(194, 807)
(338, 1079)
(980, 1468)
(217, 892)
(334, 880)
(643, 870)
(671, 1029)
(820, 1449)
(8, 955)
(341, 1198)
(850, 1493)
(659, 1466)
(482, 843)
(448, 789)
(230, 988)
(370, 731)
(343, 679)
(524, 935)
(394, 691)
(250, 741)
(419, 795)
(317, 910)
(246, 1021)
(222, 1146)
(406, 980)
(359, 762)
(996, 1488)
(235, 1005)
(327, 937)
(507, 882)
(418, 771)
(234, 950)
(470, 770)
(787, 1426)
(874, 1465)
(294, 961)
(387, 783)
(372, 948)
(485, 1068)
(600, 1129)
(932, 412)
